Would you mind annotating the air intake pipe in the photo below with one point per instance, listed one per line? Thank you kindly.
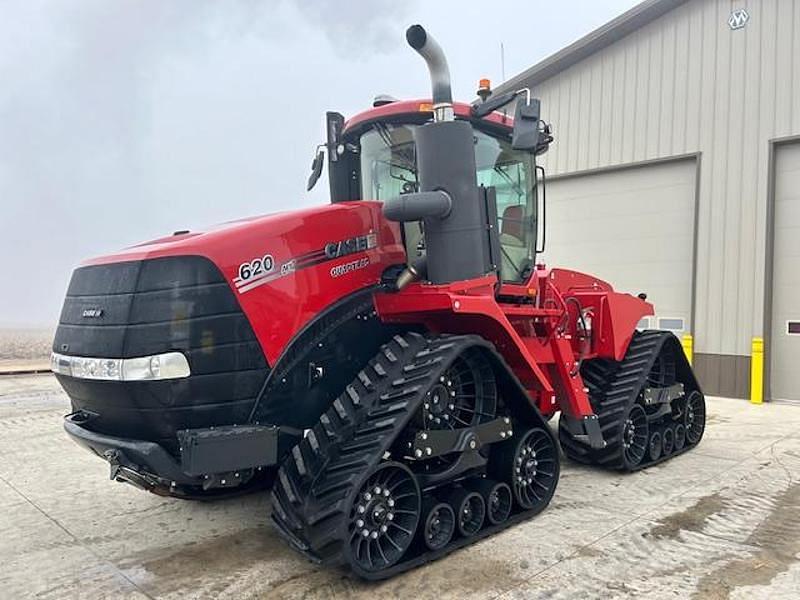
(449, 201)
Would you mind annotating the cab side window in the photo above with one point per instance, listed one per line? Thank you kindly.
(509, 172)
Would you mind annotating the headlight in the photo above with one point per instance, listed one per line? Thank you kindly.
(171, 365)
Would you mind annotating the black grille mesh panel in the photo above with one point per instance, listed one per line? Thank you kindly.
(154, 306)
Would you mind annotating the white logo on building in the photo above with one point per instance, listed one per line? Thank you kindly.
(738, 18)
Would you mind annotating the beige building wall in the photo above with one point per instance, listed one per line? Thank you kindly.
(681, 84)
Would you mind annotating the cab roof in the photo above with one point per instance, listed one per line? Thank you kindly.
(400, 108)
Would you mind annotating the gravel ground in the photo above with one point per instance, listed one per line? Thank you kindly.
(720, 522)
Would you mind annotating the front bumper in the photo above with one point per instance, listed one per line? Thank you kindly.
(210, 458)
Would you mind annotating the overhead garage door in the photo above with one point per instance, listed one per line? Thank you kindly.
(785, 340)
(633, 227)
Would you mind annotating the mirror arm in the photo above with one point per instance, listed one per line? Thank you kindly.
(496, 102)
(492, 104)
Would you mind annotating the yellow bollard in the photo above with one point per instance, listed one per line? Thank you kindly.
(757, 371)
(687, 341)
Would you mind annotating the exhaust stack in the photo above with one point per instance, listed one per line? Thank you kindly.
(433, 55)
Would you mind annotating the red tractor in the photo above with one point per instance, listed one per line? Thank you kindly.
(390, 360)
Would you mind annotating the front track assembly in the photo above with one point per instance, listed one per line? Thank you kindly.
(384, 482)
(649, 405)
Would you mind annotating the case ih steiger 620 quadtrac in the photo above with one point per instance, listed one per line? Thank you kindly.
(390, 360)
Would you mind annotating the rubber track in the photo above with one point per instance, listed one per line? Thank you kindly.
(313, 491)
(612, 393)
(315, 485)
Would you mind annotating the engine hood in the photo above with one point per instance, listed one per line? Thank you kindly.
(286, 268)
(208, 240)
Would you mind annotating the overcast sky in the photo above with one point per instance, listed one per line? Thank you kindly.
(123, 120)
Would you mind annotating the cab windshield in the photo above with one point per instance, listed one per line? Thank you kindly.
(388, 169)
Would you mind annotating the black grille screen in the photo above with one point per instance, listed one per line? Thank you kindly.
(139, 308)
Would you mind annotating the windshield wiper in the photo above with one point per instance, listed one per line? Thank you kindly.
(514, 184)
(386, 138)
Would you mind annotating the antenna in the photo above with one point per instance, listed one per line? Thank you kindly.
(502, 62)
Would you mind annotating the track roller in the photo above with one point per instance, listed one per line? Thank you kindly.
(497, 496)
(680, 437)
(470, 511)
(667, 440)
(438, 526)
(654, 446)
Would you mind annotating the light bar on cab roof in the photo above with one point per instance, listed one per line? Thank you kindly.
(170, 365)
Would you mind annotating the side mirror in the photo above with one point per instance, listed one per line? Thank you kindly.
(316, 169)
(526, 124)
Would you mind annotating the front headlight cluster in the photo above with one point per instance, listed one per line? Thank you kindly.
(171, 365)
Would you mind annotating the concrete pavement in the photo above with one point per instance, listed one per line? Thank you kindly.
(722, 521)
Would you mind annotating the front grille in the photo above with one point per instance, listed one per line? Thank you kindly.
(139, 308)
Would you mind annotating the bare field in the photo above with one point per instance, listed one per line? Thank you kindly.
(20, 347)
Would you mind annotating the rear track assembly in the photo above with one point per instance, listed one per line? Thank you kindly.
(649, 405)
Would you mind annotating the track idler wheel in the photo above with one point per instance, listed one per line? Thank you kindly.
(383, 517)
(497, 496)
(635, 432)
(470, 511)
(654, 445)
(529, 465)
(695, 417)
(680, 437)
(439, 526)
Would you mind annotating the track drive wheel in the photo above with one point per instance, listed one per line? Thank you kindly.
(383, 517)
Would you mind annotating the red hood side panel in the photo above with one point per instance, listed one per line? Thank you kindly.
(295, 263)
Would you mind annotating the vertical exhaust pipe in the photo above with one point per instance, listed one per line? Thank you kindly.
(433, 55)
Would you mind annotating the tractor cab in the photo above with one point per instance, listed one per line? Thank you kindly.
(373, 156)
